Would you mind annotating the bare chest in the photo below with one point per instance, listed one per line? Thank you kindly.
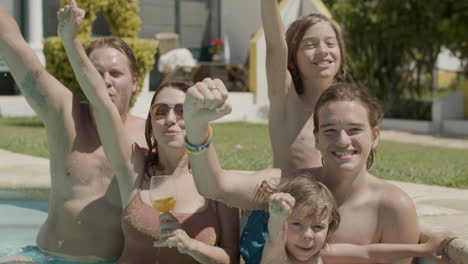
(293, 140)
(358, 225)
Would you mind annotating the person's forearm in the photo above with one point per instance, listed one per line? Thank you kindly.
(42, 92)
(388, 253)
(9, 29)
(272, 24)
(205, 166)
(273, 252)
(86, 74)
(206, 254)
(373, 253)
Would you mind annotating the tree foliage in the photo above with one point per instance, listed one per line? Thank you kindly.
(393, 45)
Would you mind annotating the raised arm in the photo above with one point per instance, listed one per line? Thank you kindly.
(117, 145)
(278, 77)
(205, 102)
(388, 253)
(43, 92)
(280, 207)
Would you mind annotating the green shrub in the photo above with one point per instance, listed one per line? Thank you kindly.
(122, 16)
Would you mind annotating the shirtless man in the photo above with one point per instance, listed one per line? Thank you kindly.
(84, 204)
(299, 68)
(347, 133)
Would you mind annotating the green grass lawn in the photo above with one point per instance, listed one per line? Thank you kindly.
(245, 146)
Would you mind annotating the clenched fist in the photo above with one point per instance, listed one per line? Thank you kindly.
(206, 101)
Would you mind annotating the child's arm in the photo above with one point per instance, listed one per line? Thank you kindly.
(280, 207)
(278, 77)
(388, 253)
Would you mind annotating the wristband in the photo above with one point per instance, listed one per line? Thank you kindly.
(200, 148)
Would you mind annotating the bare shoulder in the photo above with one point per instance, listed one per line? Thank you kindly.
(394, 203)
(398, 221)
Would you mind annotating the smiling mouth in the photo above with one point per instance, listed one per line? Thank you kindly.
(323, 63)
(344, 155)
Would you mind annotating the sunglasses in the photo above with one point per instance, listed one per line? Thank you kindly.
(160, 111)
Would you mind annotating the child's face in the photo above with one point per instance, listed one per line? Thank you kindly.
(319, 54)
(345, 137)
(305, 236)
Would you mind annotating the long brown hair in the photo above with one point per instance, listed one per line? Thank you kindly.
(350, 93)
(152, 158)
(294, 36)
(313, 199)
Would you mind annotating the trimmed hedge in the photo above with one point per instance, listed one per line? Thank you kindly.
(122, 16)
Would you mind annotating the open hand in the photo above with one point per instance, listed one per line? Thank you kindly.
(172, 234)
(70, 19)
(206, 101)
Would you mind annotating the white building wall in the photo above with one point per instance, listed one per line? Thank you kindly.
(156, 16)
(240, 20)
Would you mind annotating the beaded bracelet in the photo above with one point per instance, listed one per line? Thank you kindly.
(201, 148)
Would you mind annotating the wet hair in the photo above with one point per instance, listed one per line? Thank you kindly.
(118, 44)
(294, 36)
(313, 199)
(350, 93)
(152, 158)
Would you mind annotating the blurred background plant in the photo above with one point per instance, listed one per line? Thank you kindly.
(217, 46)
(393, 48)
(122, 17)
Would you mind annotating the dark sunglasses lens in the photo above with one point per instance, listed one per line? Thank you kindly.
(179, 110)
(163, 109)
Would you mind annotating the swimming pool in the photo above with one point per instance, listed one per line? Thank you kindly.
(20, 222)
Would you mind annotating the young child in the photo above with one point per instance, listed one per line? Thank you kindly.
(303, 215)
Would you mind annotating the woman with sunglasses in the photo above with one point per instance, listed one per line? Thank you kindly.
(207, 231)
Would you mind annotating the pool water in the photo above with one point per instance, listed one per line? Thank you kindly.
(20, 222)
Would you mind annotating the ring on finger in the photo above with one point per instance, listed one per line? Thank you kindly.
(213, 88)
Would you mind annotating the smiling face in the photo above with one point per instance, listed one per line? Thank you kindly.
(306, 236)
(167, 123)
(114, 68)
(319, 54)
(345, 137)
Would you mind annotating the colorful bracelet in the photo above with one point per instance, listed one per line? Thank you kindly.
(201, 148)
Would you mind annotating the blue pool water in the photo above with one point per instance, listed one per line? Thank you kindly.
(19, 224)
